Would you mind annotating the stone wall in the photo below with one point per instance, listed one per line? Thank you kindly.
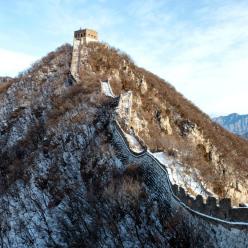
(218, 208)
(156, 176)
(81, 37)
(76, 54)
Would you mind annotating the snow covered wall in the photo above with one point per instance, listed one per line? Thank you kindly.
(106, 89)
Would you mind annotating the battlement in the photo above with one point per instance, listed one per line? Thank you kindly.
(217, 208)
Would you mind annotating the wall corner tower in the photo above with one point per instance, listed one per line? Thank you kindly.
(81, 37)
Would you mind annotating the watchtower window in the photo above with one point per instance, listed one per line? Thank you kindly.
(84, 34)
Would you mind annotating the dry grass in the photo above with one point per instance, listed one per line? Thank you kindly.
(114, 57)
(126, 190)
(4, 86)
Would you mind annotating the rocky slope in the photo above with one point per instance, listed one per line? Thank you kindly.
(235, 123)
(245, 135)
(64, 182)
(162, 119)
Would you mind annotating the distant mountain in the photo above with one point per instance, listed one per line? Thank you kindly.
(245, 135)
(235, 123)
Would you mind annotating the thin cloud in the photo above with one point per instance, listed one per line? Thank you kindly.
(11, 63)
(204, 60)
(199, 47)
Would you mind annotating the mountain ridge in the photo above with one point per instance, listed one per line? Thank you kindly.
(63, 183)
(235, 123)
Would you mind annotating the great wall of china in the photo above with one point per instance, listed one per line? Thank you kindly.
(217, 211)
(156, 174)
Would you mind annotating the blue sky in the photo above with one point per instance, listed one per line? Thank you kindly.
(200, 47)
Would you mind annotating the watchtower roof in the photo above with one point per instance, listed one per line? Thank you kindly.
(86, 33)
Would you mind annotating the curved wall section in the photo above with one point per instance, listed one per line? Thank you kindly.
(156, 175)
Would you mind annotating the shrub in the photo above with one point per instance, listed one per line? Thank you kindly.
(4, 87)
(134, 172)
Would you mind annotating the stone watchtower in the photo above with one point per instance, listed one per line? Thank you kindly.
(81, 37)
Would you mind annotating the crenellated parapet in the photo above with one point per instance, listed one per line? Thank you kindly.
(213, 207)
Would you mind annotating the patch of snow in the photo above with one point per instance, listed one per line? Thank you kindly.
(133, 143)
(106, 89)
(161, 157)
(189, 180)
